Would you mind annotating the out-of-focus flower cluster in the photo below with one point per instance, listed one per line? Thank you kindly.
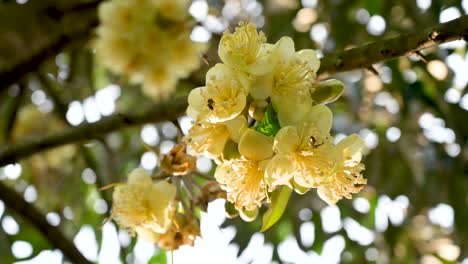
(149, 42)
(262, 118)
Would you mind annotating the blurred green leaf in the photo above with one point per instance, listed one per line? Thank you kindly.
(279, 200)
(160, 258)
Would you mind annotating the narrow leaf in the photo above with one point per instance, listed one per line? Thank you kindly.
(279, 200)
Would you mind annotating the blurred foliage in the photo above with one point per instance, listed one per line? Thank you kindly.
(426, 168)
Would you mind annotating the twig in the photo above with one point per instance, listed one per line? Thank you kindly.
(161, 112)
(360, 57)
(364, 56)
(421, 56)
(16, 203)
(373, 70)
(50, 87)
(10, 117)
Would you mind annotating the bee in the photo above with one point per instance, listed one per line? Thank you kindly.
(313, 142)
(210, 104)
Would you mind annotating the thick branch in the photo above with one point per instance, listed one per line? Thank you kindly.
(365, 56)
(16, 203)
(166, 111)
(361, 57)
(43, 31)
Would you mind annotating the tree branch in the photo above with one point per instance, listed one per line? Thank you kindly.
(12, 111)
(361, 57)
(161, 112)
(365, 56)
(42, 31)
(16, 203)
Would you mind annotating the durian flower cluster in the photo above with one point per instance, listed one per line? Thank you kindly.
(262, 118)
(149, 42)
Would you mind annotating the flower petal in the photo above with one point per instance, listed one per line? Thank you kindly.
(316, 123)
(236, 127)
(139, 176)
(147, 234)
(284, 49)
(280, 170)
(255, 146)
(286, 140)
(310, 57)
(261, 87)
(290, 112)
(327, 196)
(352, 147)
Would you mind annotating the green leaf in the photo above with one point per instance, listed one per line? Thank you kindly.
(279, 200)
(373, 6)
(160, 258)
(327, 91)
(269, 125)
(231, 211)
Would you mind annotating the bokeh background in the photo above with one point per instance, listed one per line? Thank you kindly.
(411, 113)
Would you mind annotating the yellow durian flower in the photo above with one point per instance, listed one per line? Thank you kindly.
(301, 160)
(345, 178)
(293, 78)
(223, 97)
(244, 182)
(209, 139)
(142, 206)
(245, 50)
